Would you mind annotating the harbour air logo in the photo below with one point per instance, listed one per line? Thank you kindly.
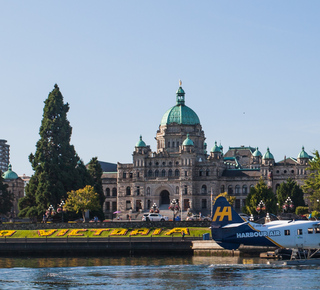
(225, 212)
(258, 234)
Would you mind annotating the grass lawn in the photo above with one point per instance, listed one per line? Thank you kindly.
(105, 232)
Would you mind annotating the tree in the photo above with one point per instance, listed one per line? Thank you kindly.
(57, 167)
(82, 200)
(257, 193)
(6, 197)
(95, 171)
(290, 189)
(312, 183)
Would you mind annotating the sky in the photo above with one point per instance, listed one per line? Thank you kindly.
(250, 70)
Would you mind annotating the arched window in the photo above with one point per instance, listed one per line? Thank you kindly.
(207, 172)
(200, 172)
(163, 173)
(114, 191)
(107, 191)
(237, 191)
(128, 190)
(230, 190)
(204, 189)
(170, 173)
(176, 173)
(156, 173)
(244, 189)
(150, 173)
(222, 189)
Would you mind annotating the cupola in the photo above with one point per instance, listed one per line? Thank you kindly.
(9, 174)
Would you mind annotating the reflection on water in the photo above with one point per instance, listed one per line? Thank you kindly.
(121, 261)
(169, 272)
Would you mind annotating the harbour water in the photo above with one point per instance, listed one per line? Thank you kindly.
(153, 273)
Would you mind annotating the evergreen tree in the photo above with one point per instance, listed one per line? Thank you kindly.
(290, 189)
(57, 168)
(6, 197)
(257, 193)
(95, 172)
(312, 184)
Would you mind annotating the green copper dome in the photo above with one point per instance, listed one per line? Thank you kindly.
(268, 155)
(9, 174)
(257, 153)
(180, 113)
(141, 143)
(187, 141)
(303, 154)
(216, 148)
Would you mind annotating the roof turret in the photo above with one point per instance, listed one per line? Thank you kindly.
(268, 155)
(9, 174)
(257, 153)
(188, 141)
(216, 148)
(303, 154)
(141, 143)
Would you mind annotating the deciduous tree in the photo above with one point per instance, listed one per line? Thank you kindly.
(82, 200)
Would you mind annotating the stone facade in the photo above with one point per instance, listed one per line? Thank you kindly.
(182, 169)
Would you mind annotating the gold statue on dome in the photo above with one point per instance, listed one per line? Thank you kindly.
(180, 83)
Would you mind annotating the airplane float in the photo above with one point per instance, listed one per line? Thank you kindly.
(230, 230)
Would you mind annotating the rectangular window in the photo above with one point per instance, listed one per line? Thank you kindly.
(186, 173)
(124, 175)
(299, 232)
(138, 190)
(310, 230)
(204, 203)
(128, 204)
(317, 230)
(107, 206)
(287, 232)
(114, 206)
(185, 189)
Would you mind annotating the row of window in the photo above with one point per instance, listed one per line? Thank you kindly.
(111, 206)
(237, 190)
(300, 232)
(114, 192)
(163, 173)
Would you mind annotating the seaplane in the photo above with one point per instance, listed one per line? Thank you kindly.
(230, 230)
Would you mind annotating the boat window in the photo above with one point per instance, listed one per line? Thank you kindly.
(317, 230)
(310, 230)
(299, 232)
(287, 232)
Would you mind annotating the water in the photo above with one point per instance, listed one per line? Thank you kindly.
(153, 273)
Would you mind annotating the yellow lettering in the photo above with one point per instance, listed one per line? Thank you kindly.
(226, 211)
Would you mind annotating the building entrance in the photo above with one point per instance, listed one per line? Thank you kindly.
(164, 197)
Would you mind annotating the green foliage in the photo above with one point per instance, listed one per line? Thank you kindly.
(257, 193)
(312, 182)
(315, 214)
(82, 200)
(290, 189)
(57, 167)
(95, 172)
(6, 197)
(300, 210)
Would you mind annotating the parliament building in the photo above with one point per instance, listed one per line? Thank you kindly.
(184, 169)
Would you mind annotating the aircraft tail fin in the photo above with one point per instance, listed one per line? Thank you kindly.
(224, 214)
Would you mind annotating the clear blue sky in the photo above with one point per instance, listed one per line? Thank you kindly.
(250, 70)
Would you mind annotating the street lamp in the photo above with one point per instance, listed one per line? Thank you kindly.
(174, 206)
(261, 207)
(60, 209)
(154, 208)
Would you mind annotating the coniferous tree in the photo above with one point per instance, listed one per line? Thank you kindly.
(95, 172)
(257, 193)
(6, 197)
(57, 168)
(312, 184)
(290, 189)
